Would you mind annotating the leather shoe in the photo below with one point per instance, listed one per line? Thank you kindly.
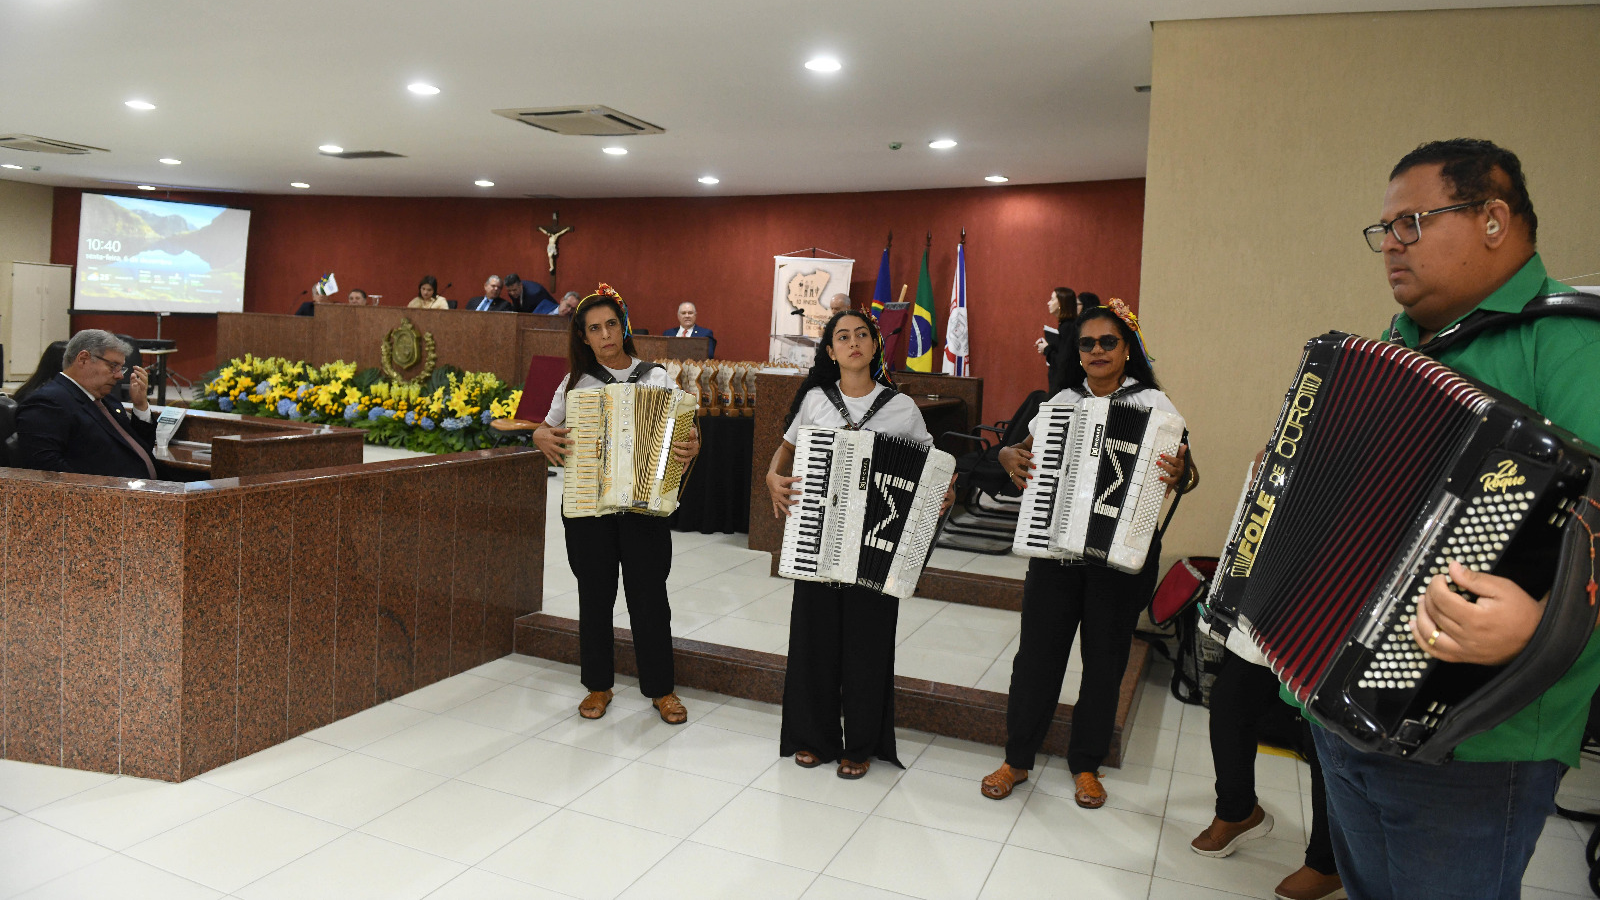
(1309, 884)
(1222, 838)
(1090, 793)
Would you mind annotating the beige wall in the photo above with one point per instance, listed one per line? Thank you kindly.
(1271, 140)
(24, 236)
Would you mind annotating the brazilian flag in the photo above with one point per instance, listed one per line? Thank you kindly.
(919, 350)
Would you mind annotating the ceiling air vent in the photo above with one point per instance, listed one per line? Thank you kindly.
(365, 154)
(585, 121)
(35, 144)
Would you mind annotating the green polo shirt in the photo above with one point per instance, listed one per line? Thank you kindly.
(1553, 365)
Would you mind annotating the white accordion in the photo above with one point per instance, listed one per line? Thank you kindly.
(621, 458)
(868, 510)
(1096, 488)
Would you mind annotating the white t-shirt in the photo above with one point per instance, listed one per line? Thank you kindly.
(656, 377)
(899, 417)
(1149, 398)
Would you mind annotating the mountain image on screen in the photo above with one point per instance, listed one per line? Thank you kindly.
(144, 255)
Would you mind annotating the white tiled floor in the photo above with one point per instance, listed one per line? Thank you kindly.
(489, 786)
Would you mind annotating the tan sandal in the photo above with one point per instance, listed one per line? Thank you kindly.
(594, 706)
(805, 759)
(1090, 793)
(671, 709)
(999, 784)
(850, 771)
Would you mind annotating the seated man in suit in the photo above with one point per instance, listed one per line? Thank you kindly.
(490, 300)
(72, 424)
(687, 328)
(569, 302)
(528, 296)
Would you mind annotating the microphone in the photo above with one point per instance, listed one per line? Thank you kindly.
(450, 285)
(798, 312)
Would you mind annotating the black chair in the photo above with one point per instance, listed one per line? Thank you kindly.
(987, 521)
(8, 430)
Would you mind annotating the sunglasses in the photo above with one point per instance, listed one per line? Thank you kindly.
(1106, 342)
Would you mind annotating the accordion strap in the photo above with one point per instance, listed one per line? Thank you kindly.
(831, 391)
(1177, 495)
(1574, 303)
(604, 376)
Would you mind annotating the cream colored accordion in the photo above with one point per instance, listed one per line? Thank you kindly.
(621, 459)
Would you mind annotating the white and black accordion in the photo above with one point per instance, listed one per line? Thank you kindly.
(868, 509)
(621, 458)
(1096, 489)
(1384, 467)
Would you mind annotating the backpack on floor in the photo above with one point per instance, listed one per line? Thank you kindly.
(1195, 654)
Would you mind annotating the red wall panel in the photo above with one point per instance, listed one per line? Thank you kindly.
(1021, 241)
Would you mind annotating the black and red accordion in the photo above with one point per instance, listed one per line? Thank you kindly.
(1385, 466)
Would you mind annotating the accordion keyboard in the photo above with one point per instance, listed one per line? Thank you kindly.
(803, 541)
(1039, 499)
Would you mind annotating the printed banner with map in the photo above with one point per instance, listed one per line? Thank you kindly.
(801, 286)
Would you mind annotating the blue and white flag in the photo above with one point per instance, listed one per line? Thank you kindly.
(956, 342)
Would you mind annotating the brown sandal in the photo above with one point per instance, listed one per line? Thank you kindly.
(1090, 793)
(594, 706)
(999, 784)
(671, 709)
(805, 759)
(850, 771)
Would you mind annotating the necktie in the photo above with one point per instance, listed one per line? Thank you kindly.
(116, 426)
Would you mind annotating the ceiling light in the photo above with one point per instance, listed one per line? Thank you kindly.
(996, 179)
(140, 105)
(330, 148)
(299, 184)
(426, 90)
(146, 187)
(823, 64)
(484, 182)
(167, 160)
(9, 166)
(709, 179)
(942, 144)
(617, 151)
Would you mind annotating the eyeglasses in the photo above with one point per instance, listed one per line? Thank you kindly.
(1106, 342)
(1407, 229)
(116, 368)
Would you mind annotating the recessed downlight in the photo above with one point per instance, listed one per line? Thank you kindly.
(616, 151)
(423, 88)
(484, 182)
(710, 179)
(941, 144)
(141, 105)
(330, 148)
(147, 187)
(299, 184)
(823, 64)
(169, 161)
(996, 179)
(9, 166)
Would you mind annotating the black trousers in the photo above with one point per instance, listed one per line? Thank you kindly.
(642, 547)
(1242, 696)
(841, 662)
(1102, 606)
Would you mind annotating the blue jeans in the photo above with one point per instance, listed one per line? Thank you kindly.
(1409, 831)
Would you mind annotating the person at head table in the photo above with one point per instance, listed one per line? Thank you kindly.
(428, 295)
(528, 296)
(838, 303)
(686, 327)
(490, 300)
(72, 424)
(569, 302)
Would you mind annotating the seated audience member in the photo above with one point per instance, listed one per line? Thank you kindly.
(428, 295)
(569, 302)
(686, 327)
(309, 307)
(49, 366)
(528, 296)
(838, 303)
(490, 300)
(71, 424)
(358, 297)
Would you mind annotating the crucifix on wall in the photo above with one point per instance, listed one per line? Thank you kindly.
(553, 233)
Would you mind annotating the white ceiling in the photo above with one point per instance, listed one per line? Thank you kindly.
(1037, 90)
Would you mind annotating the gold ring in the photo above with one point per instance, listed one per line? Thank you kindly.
(1433, 637)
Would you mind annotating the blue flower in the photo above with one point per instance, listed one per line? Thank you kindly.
(352, 412)
(263, 387)
(224, 404)
(286, 406)
(411, 417)
(294, 411)
(375, 414)
(487, 416)
(301, 391)
(426, 423)
(455, 424)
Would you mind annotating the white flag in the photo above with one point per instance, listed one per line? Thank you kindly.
(957, 340)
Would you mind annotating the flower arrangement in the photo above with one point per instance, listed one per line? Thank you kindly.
(447, 414)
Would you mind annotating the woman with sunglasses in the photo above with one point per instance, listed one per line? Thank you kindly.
(600, 352)
(1099, 604)
(841, 637)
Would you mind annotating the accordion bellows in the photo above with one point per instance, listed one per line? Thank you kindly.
(621, 459)
(1096, 490)
(1384, 467)
(868, 511)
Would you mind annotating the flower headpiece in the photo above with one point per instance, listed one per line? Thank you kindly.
(1127, 315)
(610, 293)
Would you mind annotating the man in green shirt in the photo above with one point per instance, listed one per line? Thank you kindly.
(1458, 236)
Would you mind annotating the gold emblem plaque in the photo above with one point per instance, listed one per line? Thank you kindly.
(403, 348)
